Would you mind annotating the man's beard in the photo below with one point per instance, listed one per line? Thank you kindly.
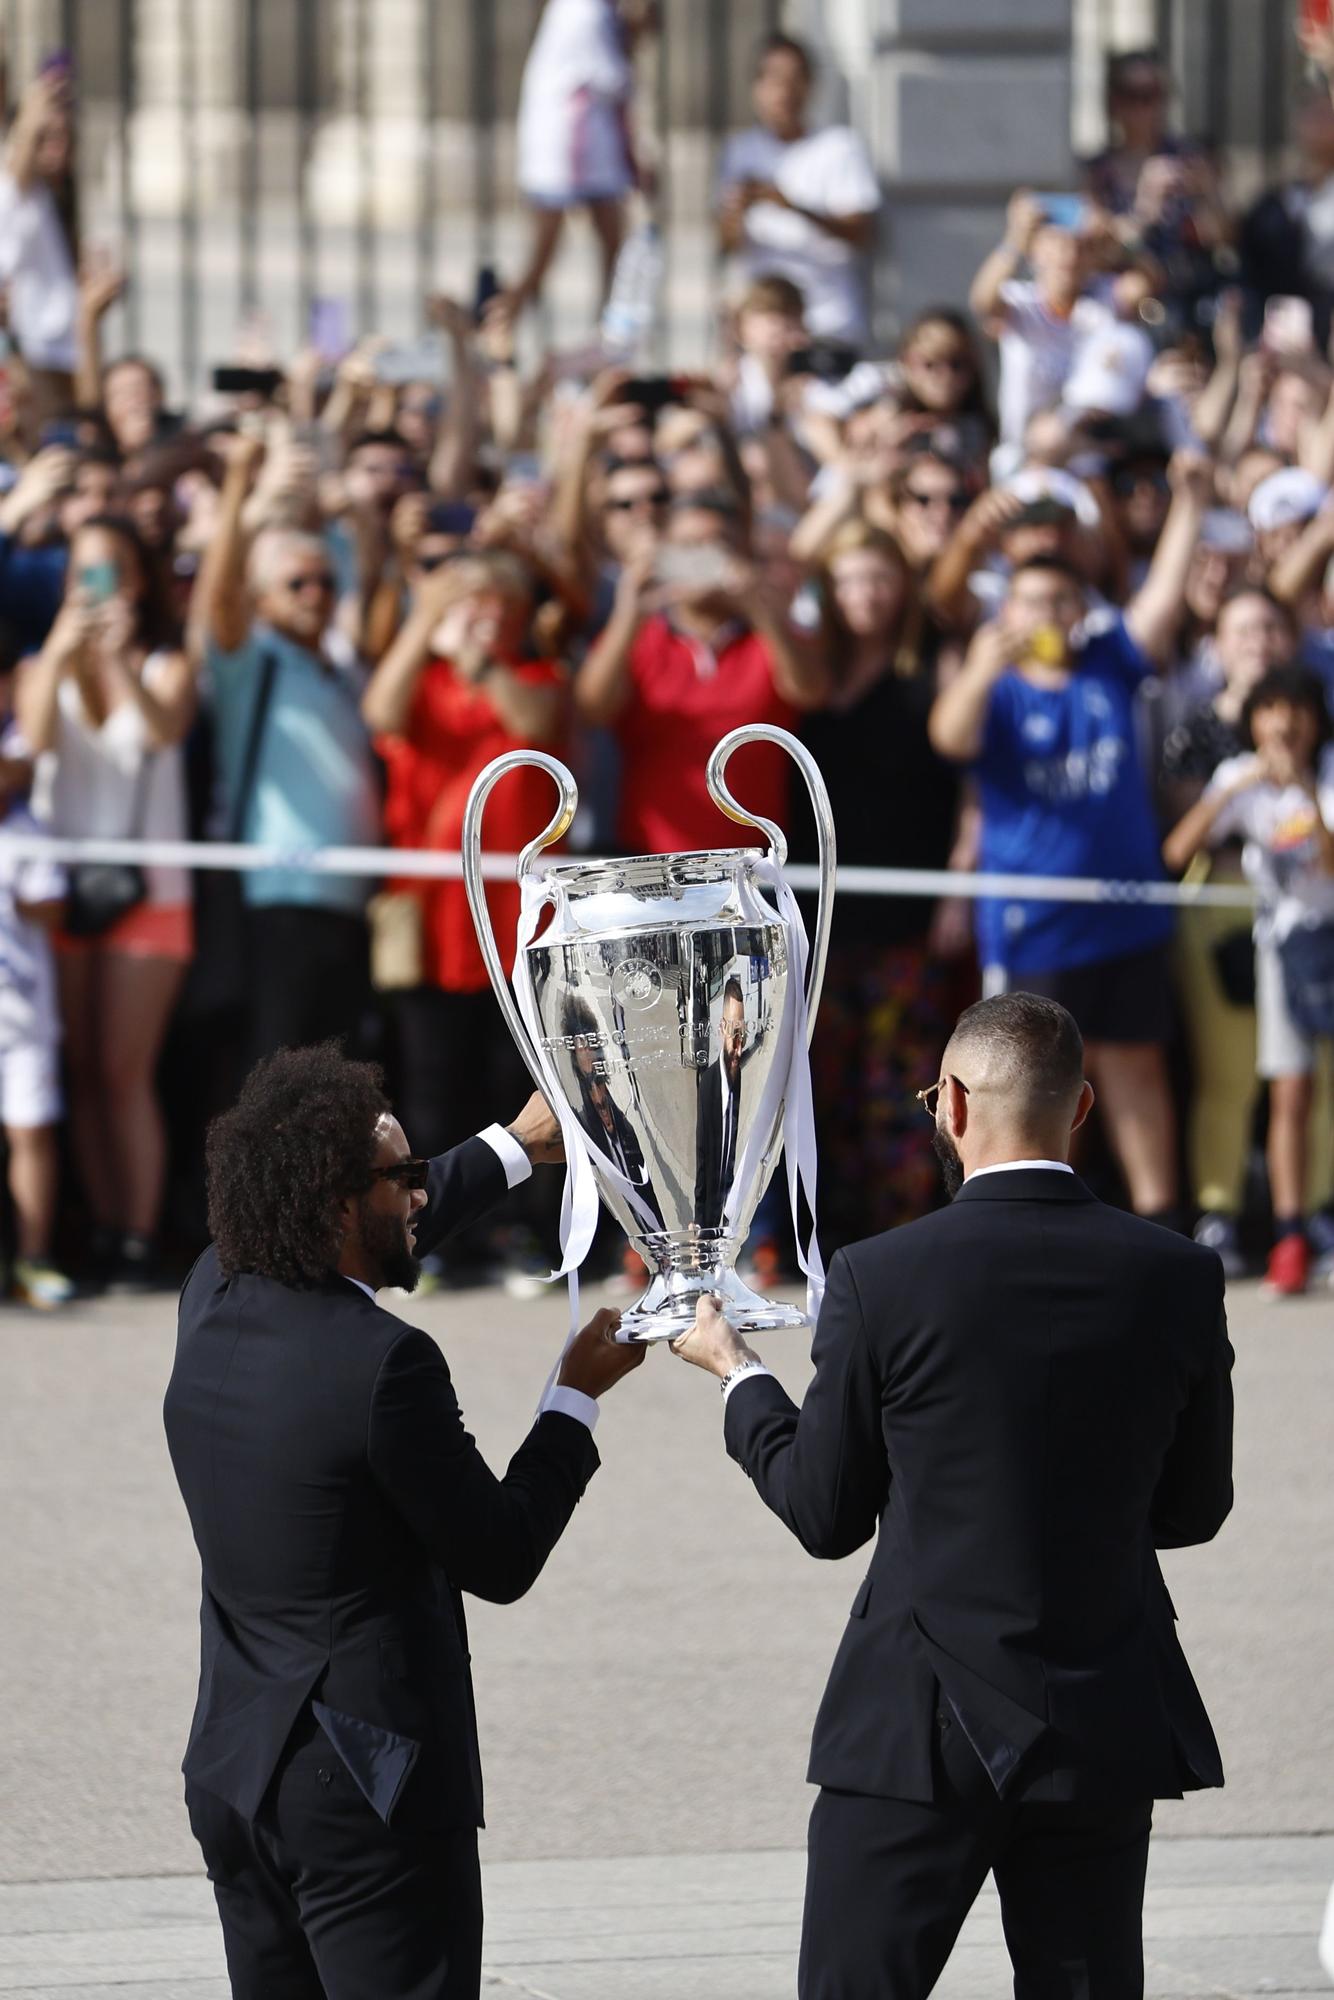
(385, 1241)
(732, 1071)
(951, 1166)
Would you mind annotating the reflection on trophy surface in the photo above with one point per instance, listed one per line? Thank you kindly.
(663, 1008)
(719, 1112)
(605, 1123)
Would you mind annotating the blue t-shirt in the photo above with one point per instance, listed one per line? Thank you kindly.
(315, 782)
(1064, 793)
(32, 589)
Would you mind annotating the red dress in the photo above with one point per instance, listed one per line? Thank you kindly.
(685, 698)
(452, 732)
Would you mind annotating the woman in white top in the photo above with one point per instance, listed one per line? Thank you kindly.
(105, 707)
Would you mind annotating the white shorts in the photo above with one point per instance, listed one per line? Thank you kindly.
(30, 1085)
(1282, 1048)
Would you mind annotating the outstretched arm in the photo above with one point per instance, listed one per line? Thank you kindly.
(1153, 617)
(821, 1468)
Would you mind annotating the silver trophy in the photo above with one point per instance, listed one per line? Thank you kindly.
(659, 987)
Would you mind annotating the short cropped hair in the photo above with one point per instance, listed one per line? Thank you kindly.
(779, 44)
(300, 1139)
(272, 547)
(774, 294)
(1033, 1045)
(732, 991)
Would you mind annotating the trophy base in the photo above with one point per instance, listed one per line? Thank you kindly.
(667, 1309)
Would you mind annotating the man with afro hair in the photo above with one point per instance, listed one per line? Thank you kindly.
(341, 1510)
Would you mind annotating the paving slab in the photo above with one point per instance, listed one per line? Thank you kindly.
(1224, 1919)
(651, 1700)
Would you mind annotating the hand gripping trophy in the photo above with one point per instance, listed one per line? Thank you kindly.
(665, 1009)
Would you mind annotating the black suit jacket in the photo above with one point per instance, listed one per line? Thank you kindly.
(711, 1187)
(340, 1508)
(1026, 1393)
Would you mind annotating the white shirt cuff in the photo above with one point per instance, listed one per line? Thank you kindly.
(518, 1167)
(571, 1403)
(751, 1375)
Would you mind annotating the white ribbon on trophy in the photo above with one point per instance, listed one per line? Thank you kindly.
(787, 1096)
(692, 1255)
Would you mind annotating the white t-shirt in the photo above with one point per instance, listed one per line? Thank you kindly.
(29, 1014)
(829, 173)
(577, 82)
(105, 781)
(1282, 854)
(38, 272)
(1037, 353)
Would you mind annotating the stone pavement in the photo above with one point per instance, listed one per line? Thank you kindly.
(651, 1700)
(1224, 1919)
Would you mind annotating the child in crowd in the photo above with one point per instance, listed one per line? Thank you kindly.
(1279, 797)
(31, 901)
(770, 330)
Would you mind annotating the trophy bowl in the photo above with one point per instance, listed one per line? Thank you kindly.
(660, 1012)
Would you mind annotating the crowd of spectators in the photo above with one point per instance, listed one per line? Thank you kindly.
(1047, 590)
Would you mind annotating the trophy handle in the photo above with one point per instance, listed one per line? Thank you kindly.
(763, 732)
(484, 784)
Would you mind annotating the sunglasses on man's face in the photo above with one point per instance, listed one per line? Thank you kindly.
(430, 563)
(929, 1097)
(315, 579)
(655, 500)
(956, 502)
(409, 1174)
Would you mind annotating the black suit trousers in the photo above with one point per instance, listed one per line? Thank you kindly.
(889, 1883)
(319, 1900)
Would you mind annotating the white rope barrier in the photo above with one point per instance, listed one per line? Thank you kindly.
(381, 863)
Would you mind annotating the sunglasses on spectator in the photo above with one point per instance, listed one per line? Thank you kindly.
(659, 499)
(410, 1174)
(928, 1098)
(951, 364)
(315, 579)
(426, 564)
(957, 502)
(1130, 480)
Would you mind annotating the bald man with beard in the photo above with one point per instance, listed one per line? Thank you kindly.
(1020, 1399)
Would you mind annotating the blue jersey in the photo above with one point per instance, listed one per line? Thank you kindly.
(1064, 793)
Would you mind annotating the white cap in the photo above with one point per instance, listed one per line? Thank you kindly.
(1049, 482)
(1286, 496)
(1110, 370)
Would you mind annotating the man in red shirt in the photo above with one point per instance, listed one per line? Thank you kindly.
(697, 643)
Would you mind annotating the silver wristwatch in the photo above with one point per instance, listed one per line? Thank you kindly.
(751, 1367)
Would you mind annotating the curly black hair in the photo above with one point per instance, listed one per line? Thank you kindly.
(1296, 686)
(298, 1140)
